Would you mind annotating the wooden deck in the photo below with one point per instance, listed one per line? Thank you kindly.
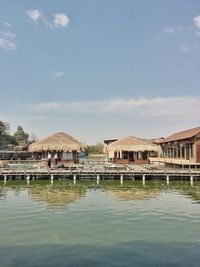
(98, 174)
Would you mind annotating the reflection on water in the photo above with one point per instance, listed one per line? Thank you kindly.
(127, 194)
(106, 224)
(55, 195)
(64, 192)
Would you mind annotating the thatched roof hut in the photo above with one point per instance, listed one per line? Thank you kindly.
(57, 142)
(132, 143)
(131, 149)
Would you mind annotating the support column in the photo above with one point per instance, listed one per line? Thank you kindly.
(74, 178)
(167, 179)
(177, 151)
(5, 178)
(185, 151)
(52, 177)
(191, 179)
(121, 179)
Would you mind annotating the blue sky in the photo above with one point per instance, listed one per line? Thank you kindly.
(100, 69)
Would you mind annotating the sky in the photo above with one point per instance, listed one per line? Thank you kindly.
(100, 69)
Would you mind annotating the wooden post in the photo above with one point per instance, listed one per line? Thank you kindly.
(5, 177)
(52, 177)
(167, 179)
(191, 179)
(74, 177)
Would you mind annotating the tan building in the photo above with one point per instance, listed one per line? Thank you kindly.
(182, 148)
(131, 150)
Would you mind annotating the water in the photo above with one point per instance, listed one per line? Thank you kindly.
(110, 224)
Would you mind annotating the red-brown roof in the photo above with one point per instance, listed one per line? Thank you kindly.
(182, 135)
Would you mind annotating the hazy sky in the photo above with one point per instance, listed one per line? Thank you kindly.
(100, 69)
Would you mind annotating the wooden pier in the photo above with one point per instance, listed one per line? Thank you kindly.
(54, 174)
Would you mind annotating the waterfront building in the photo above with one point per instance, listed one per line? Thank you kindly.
(66, 146)
(131, 150)
(181, 148)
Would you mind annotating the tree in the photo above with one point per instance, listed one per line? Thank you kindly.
(96, 149)
(20, 136)
(5, 137)
(4, 128)
(32, 138)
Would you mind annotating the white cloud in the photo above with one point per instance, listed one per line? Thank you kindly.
(59, 74)
(6, 40)
(196, 21)
(159, 107)
(34, 14)
(10, 35)
(168, 30)
(7, 24)
(7, 44)
(142, 117)
(60, 20)
(184, 47)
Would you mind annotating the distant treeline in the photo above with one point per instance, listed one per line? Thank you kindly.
(95, 149)
(19, 138)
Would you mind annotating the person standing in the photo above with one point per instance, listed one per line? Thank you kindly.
(49, 160)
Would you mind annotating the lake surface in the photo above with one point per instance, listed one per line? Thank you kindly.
(110, 224)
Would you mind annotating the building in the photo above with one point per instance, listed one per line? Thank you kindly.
(182, 148)
(131, 150)
(66, 146)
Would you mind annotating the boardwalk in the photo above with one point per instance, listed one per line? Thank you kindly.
(97, 173)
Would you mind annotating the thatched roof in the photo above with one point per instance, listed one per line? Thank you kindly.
(59, 142)
(182, 135)
(132, 143)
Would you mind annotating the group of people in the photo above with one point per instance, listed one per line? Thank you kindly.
(50, 158)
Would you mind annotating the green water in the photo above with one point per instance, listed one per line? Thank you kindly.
(110, 224)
